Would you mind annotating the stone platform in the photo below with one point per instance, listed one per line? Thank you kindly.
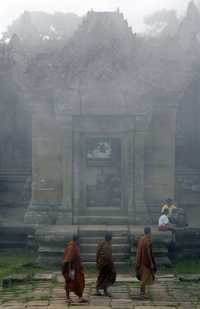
(46, 291)
(52, 240)
(17, 236)
(49, 241)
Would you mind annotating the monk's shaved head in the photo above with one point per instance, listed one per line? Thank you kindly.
(147, 230)
(75, 237)
(108, 236)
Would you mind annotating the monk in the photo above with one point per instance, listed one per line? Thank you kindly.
(72, 270)
(105, 266)
(145, 262)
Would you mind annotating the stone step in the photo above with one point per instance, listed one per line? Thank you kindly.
(47, 261)
(100, 233)
(118, 265)
(91, 257)
(94, 240)
(163, 261)
(111, 220)
(56, 257)
(157, 253)
(101, 211)
(116, 248)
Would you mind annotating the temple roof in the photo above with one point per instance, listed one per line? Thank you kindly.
(103, 25)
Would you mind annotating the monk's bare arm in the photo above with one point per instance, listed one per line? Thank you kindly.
(150, 258)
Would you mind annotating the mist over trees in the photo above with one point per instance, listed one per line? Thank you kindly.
(163, 23)
(51, 63)
(33, 28)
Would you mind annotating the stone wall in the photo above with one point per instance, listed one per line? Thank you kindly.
(160, 159)
(187, 244)
(15, 237)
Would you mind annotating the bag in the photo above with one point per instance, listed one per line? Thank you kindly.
(72, 274)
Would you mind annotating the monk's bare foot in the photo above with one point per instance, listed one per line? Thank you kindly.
(141, 296)
(98, 293)
(144, 296)
(82, 300)
(108, 294)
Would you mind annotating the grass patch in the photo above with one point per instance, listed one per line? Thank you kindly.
(17, 262)
(21, 262)
(13, 293)
(187, 267)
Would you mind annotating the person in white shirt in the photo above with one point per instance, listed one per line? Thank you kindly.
(163, 222)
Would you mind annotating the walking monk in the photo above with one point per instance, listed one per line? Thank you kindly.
(145, 262)
(105, 266)
(73, 271)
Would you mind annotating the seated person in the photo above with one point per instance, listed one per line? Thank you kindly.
(169, 205)
(164, 207)
(163, 222)
(173, 216)
(178, 217)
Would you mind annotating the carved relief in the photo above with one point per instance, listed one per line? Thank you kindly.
(99, 148)
(103, 172)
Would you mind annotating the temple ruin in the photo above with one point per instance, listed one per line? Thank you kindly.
(101, 128)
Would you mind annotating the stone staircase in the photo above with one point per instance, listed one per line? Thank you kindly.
(89, 238)
(51, 241)
(161, 242)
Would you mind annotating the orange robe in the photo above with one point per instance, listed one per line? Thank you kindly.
(72, 269)
(144, 259)
(105, 265)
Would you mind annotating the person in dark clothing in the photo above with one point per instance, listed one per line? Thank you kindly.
(105, 266)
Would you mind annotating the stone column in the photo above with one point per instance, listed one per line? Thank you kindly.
(46, 202)
(78, 201)
(129, 174)
(65, 215)
(141, 214)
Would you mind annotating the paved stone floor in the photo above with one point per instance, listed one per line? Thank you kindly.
(46, 292)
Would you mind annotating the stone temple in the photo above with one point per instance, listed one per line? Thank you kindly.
(88, 155)
(101, 127)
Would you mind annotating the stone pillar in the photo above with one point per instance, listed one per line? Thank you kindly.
(129, 181)
(66, 216)
(46, 202)
(141, 214)
(78, 200)
(172, 155)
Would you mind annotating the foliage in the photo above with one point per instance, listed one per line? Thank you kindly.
(17, 262)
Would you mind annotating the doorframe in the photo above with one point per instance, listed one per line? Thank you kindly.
(112, 126)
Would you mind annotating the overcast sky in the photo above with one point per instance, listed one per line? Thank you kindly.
(134, 10)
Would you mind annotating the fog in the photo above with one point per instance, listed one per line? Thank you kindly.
(99, 131)
(135, 11)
